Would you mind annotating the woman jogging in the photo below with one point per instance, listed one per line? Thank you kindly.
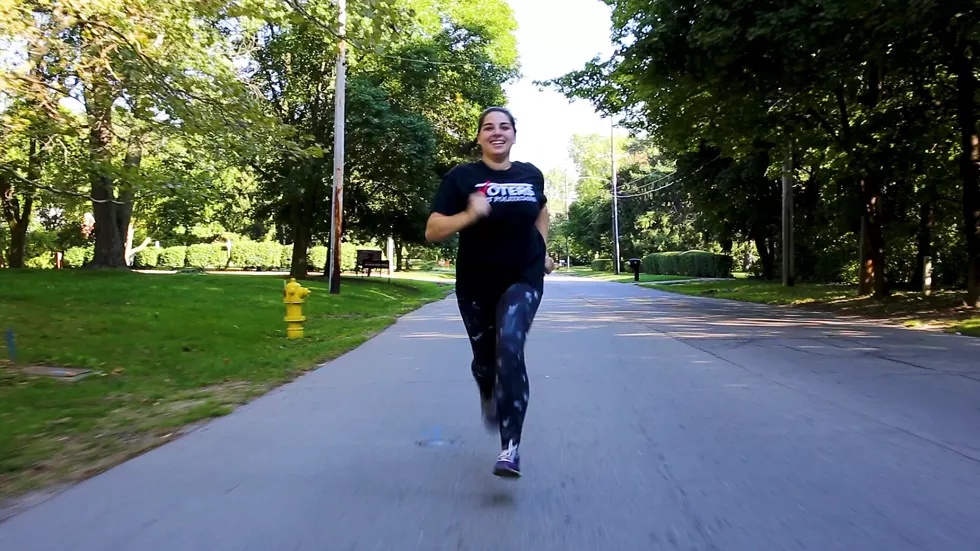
(498, 208)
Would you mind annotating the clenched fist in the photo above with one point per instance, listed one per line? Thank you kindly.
(478, 207)
(549, 264)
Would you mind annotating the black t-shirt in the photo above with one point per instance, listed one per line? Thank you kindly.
(505, 247)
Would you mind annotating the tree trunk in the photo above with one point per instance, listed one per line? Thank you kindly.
(398, 256)
(17, 216)
(924, 237)
(873, 278)
(766, 256)
(124, 212)
(303, 218)
(301, 242)
(16, 221)
(969, 168)
(110, 236)
(726, 247)
(18, 244)
(301, 245)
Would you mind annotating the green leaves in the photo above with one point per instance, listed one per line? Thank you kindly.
(866, 91)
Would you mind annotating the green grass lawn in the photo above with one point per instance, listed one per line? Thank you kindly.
(943, 309)
(171, 349)
(624, 277)
(425, 275)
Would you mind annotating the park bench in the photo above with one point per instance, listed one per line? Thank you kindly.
(368, 260)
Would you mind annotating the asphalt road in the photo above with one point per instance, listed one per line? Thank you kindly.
(656, 422)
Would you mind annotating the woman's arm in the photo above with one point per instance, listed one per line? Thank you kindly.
(439, 227)
(544, 225)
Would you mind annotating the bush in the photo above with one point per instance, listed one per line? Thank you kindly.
(172, 257)
(147, 258)
(602, 265)
(689, 263)
(251, 254)
(318, 257)
(76, 257)
(286, 257)
(41, 244)
(207, 255)
(245, 254)
(348, 256)
(271, 253)
(43, 261)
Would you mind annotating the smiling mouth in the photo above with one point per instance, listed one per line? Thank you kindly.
(497, 142)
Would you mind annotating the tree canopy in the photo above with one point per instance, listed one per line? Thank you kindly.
(873, 102)
(199, 121)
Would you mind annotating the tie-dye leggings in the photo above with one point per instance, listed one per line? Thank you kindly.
(497, 331)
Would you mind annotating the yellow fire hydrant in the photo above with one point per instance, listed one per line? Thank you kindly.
(293, 296)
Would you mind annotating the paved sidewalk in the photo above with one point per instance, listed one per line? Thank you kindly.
(656, 422)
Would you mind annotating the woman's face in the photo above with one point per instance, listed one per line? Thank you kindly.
(496, 135)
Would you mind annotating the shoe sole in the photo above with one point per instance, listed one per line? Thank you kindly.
(503, 472)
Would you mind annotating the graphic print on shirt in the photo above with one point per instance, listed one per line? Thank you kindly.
(507, 193)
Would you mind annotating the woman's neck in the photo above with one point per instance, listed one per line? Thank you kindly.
(497, 164)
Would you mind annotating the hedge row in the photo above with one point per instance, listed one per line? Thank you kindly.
(76, 257)
(244, 254)
(602, 265)
(688, 263)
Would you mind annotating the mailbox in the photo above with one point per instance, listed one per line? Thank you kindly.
(635, 266)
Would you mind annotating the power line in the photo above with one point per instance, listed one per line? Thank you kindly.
(641, 194)
(657, 181)
(651, 191)
(10, 171)
(316, 21)
(32, 184)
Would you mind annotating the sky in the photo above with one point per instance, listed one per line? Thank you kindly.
(555, 37)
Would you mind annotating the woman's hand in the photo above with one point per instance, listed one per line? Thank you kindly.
(440, 226)
(549, 264)
(479, 206)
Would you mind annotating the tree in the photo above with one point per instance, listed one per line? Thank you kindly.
(151, 65)
(412, 108)
(836, 77)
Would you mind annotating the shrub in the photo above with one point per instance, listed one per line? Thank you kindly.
(286, 257)
(76, 257)
(172, 257)
(146, 258)
(602, 265)
(41, 244)
(271, 254)
(43, 261)
(251, 254)
(348, 256)
(318, 257)
(207, 255)
(689, 263)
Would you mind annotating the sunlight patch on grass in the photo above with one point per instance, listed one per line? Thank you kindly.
(170, 350)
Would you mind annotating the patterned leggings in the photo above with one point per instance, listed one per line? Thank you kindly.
(497, 332)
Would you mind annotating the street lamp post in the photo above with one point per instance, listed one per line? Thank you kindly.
(615, 214)
(615, 193)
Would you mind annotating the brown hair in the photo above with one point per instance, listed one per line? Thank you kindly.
(487, 111)
(473, 147)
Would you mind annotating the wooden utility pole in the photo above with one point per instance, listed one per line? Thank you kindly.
(615, 199)
(337, 212)
(568, 244)
(788, 264)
